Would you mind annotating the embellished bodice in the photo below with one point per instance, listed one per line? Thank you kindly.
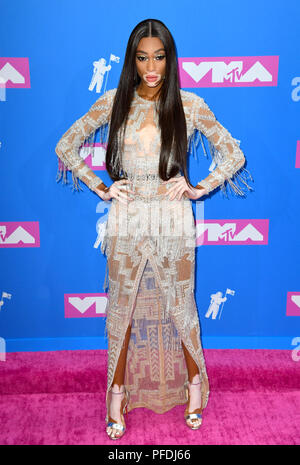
(140, 157)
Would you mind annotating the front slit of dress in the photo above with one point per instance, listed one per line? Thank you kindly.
(155, 375)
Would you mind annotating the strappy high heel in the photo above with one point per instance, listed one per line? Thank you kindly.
(196, 414)
(111, 423)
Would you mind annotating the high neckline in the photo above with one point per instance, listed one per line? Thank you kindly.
(143, 99)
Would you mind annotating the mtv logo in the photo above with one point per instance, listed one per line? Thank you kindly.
(293, 304)
(85, 305)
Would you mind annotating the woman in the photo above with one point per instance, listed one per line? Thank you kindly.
(155, 357)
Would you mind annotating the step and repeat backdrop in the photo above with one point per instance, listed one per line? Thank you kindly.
(59, 57)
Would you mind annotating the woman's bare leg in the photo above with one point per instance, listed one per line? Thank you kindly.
(194, 377)
(118, 383)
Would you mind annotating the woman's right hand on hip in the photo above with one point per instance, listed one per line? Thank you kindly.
(118, 190)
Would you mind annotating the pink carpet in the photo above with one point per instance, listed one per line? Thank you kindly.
(51, 398)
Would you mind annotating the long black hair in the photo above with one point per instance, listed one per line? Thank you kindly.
(170, 109)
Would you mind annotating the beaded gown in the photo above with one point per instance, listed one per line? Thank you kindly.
(150, 248)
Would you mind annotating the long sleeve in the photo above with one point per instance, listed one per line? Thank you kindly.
(228, 158)
(67, 149)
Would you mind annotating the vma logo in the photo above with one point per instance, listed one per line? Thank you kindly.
(19, 234)
(232, 232)
(254, 71)
(293, 304)
(85, 305)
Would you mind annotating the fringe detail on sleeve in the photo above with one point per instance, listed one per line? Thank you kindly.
(89, 146)
(238, 181)
(62, 172)
(193, 142)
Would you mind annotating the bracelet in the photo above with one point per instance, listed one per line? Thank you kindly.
(204, 185)
(102, 187)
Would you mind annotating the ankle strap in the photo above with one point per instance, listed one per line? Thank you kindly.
(194, 383)
(117, 392)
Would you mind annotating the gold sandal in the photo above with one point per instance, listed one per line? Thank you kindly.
(111, 423)
(191, 416)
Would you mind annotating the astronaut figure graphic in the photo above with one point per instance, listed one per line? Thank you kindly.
(215, 302)
(100, 69)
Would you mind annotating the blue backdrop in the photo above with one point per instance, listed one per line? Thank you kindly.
(58, 41)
